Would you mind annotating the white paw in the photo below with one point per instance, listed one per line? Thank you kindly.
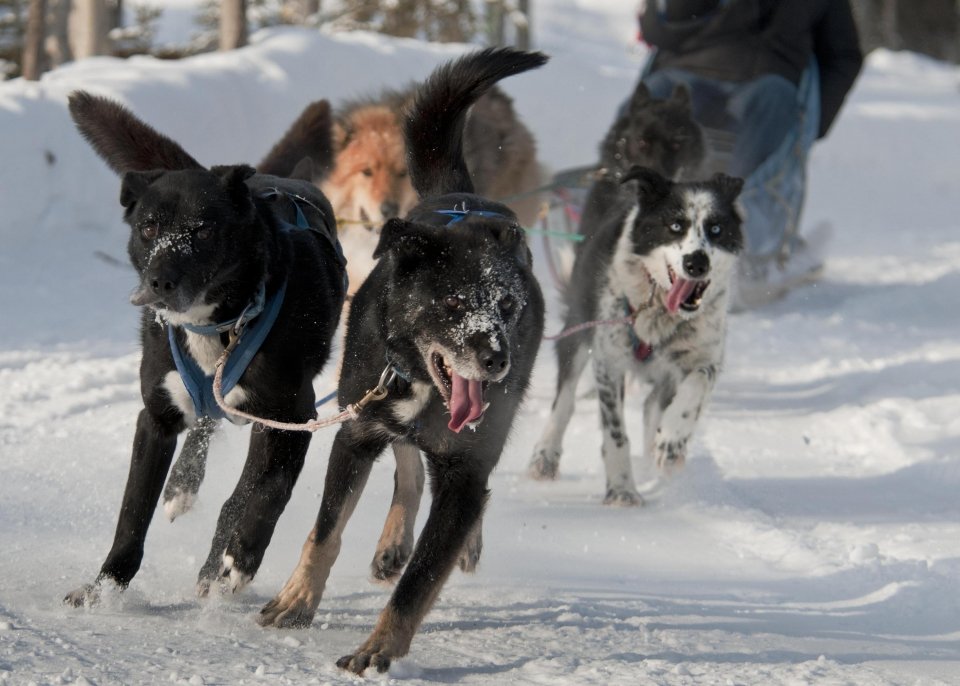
(179, 504)
(233, 579)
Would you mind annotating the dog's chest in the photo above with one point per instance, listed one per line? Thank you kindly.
(206, 350)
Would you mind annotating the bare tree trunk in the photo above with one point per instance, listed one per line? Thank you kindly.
(88, 29)
(233, 24)
(889, 23)
(495, 22)
(523, 26)
(58, 41)
(33, 40)
(310, 7)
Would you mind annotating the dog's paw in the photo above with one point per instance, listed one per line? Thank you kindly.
(232, 577)
(623, 497)
(360, 660)
(389, 561)
(178, 503)
(544, 465)
(670, 454)
(291, 609)
(470, 555)
(87, 595)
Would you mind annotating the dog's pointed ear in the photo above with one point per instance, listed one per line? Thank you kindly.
(681, 94)
(398, 235)
(651, 186)
(641, 96)
(233, 177)
(729, 187)
(303, 171)
(133, 184)
(511, 237)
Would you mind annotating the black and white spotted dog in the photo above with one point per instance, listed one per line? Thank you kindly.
(665, 256)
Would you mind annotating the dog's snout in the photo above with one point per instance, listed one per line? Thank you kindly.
(696, 264)
(389, 208)
(494, 361)
(163, 285)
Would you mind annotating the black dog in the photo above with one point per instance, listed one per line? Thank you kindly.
(224, 256)
(453, 311)
(658, 134)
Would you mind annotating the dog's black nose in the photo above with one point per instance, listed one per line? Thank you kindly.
(696, 264)
(163, 285)
(494, 361)
(389, 209)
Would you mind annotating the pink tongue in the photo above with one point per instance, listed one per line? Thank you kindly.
(680, 291)
(466, 402)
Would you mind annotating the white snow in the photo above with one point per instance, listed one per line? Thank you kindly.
(813, 538)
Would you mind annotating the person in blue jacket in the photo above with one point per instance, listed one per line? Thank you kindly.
(742, 61)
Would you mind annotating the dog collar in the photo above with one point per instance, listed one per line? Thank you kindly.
(641, 349)
(250, 312)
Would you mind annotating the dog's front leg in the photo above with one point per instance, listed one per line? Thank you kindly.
(460, 494)
(680, 416)
(189, 469)
(621, 487)
(246, 525)
(153, 446)
(572, 356)
(350, 463)
(396, 541)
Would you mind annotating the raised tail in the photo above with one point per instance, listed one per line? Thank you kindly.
(434, 123)
(310, 137)
(125, 142)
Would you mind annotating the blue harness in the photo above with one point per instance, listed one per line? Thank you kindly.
(251, 327)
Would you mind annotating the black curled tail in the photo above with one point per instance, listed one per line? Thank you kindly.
(434, 122)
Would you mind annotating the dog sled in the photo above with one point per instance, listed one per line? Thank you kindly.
(772, 196)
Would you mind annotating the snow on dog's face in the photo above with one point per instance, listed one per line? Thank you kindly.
(191, 232)
(458, 293)
(687, 235)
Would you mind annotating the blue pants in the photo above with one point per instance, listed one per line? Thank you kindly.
(760, 113)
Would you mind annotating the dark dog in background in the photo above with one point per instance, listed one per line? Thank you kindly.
(658, 134)
(454, 311)
(220, 253)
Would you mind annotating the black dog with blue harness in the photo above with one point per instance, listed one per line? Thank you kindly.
(224, 256)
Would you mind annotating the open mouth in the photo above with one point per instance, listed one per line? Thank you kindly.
(464, 397)
(684, 294)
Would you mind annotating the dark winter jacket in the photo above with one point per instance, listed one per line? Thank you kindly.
(738, 40)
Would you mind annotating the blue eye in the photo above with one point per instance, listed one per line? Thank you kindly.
(676, 227)
(715, 230)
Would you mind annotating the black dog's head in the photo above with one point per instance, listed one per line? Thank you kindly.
(195, 236)
(457, 296)
(659, 134)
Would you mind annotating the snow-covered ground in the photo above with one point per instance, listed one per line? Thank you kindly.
(813, 538)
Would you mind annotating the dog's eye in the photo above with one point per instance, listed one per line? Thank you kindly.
(149, 232)
(453, 302)
(676, 227)
(402, 174)
(715, 230)
(204, 234)
(506, 304)
(367, 171)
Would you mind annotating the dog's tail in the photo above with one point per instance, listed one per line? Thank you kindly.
(309, 137)
(434, 122)
(125, 142)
